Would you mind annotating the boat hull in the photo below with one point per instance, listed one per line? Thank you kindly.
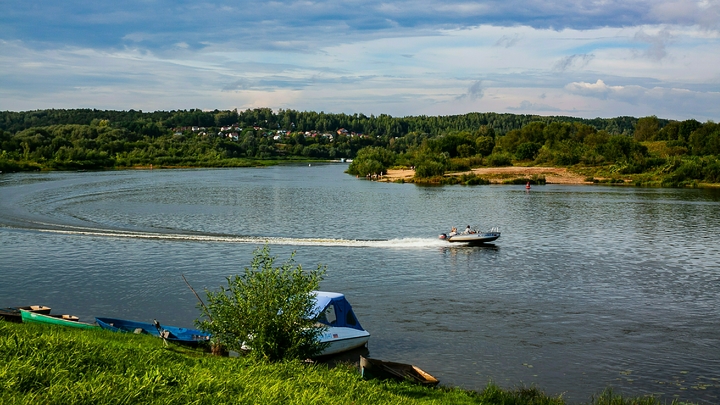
(380, 369)
(175, 334)
(13, 314)
(343, 339)
(475, 238)
(60, 320)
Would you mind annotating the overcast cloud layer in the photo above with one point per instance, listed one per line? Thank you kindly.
(587, 58)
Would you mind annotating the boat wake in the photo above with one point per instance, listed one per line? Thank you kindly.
(400, 243)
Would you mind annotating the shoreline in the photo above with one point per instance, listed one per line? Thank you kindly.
(498, 175)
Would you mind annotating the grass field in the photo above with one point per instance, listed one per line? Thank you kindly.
(42, 364)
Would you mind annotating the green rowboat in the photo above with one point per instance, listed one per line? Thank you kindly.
(62, 320)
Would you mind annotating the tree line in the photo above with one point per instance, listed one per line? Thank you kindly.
(97, 139)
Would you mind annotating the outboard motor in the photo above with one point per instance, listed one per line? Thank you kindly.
(443, 236)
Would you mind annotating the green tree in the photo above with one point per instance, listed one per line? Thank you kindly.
(646, 129)
(429, 164)
(372, 160)
(267, 308)
(484, 145)
(527, 150)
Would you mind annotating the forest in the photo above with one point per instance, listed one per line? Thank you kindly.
(650, 150)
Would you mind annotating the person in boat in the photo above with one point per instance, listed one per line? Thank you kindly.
(468, 231)
(453, 232)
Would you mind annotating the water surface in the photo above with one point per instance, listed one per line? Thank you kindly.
(588, 287)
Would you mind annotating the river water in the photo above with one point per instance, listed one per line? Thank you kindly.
(589, 287)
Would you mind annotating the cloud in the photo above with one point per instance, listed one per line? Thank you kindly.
(506, 41)
(657, 43)
(530, 107)
(398, 58)
(257, 24)
(598, 89)
(474, 92)
(573, 60)
(658, 100)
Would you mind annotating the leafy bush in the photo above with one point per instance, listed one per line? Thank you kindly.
(267, 308)
(429, 168)
(372, 160)
(499, 159)
(527, 150)
(473, 180)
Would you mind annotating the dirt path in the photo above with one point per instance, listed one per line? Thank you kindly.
(553, 175)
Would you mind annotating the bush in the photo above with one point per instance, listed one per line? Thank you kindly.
(268, 308)
(429, 168)
(527, 150)
(499, 159)
(473, 180)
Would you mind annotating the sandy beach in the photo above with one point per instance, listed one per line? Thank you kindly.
(553, 175)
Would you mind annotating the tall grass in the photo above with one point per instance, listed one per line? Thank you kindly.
(44, 364)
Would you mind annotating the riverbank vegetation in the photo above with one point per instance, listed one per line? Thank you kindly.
(273, 305)
(640, 151)
(55, 365)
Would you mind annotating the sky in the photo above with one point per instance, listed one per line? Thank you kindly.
(580, 58)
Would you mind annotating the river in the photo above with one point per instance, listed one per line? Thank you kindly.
(588, 287)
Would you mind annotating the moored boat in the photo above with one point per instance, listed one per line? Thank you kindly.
(380, 369)
(12, 314)
(61, 320)
(343, 330)
(174, 334)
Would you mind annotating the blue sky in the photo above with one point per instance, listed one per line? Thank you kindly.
(584, 58)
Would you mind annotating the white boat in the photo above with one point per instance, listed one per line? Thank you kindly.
(344, 331)
(472, 237)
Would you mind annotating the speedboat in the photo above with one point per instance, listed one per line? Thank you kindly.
(472, 238)
(343, 331)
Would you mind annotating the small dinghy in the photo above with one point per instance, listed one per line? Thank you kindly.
(12, 314)
(374, 368)
(61, 320)
(185, 336)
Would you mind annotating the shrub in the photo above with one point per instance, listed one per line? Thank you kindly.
(499, 159)
(429, 168)
(268, 308)
(527, 150)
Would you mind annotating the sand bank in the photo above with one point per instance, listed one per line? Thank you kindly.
(553, 175)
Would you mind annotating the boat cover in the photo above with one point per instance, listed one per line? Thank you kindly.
(343, 313)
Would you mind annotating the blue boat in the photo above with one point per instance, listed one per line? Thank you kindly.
(191, 337)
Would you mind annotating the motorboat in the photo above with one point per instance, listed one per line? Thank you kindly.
(343, 331)
(472, 237)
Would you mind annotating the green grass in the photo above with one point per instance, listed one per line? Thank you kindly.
(43, 364)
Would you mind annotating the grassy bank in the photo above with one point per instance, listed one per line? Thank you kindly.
(53, 365)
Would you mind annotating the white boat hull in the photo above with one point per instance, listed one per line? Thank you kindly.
(343, 339)
(475, 237)
(472, 238)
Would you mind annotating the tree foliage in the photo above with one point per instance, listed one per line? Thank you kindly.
(267, 308)
(98, 139)
(372, 160)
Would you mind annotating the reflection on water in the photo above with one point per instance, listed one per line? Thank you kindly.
(588, 287)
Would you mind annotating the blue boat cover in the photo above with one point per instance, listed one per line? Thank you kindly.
(334, 310)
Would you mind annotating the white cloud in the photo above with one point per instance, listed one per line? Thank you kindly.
(660, 69)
